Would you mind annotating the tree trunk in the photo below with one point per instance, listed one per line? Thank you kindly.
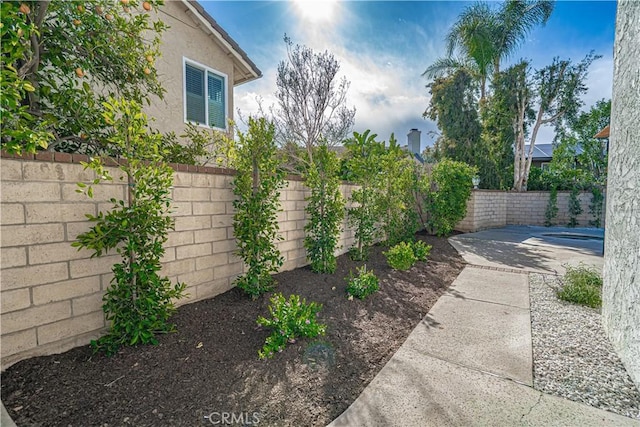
(519, 156)
(532, 142)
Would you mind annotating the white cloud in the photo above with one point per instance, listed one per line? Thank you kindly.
(386, 88)
(599, 81)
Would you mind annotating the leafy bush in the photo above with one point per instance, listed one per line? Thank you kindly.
(595, 207)
(582, 285)
(398, 178)
(200, 146)
(362, 285)
(400, 256)
(552, 208)
(62, 59)
(363, 151)
(139, 301)
(325, 209)
(575, 208)
(421, 250)
(290, 319)
(257, 187)
(445, 194)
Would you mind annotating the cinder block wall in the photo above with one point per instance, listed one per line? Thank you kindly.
(51, 293)
(485, 209)
(492, 209)
(528, 208)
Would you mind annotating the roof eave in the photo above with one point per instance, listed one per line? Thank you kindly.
(241, 60)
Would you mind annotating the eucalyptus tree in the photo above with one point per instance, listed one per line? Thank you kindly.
(553, 95)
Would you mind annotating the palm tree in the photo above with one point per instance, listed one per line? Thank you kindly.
(484, 36)
(515, 19)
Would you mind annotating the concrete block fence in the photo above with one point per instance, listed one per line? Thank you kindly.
(51, 293)
(493, 208)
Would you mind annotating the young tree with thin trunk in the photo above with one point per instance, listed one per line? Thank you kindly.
(311, 99)
(312, 114)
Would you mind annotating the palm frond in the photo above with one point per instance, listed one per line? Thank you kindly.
(448, 65)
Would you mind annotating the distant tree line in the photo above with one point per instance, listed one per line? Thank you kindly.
(490, 117)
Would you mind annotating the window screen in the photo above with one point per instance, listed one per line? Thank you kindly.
(196, 109)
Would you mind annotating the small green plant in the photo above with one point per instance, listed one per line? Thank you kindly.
(582, 285)
(290, 319)
(400, 256)
(364, 284)
(575, 208)
(552, 207)
(421, 250)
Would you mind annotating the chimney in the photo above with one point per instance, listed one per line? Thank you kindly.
(413, 141)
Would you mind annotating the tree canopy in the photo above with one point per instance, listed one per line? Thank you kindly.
(311, 100)
(61, 60)
(484, 36)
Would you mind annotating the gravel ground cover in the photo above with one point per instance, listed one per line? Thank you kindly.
(572, 356)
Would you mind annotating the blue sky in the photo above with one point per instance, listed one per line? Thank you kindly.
(384, 46)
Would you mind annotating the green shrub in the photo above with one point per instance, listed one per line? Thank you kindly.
(445, 193)
(396, 185)
(596, 205)
(421, 250)
(582, 285)
(552, 207)
(325, 210)
(290, 319)
(257, 187)
(400, 256)
(575, 208)
(363, 153)
(364, 284)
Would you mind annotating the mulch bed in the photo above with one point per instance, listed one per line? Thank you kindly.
(211, 367)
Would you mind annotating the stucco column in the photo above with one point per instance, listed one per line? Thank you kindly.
(621, 292)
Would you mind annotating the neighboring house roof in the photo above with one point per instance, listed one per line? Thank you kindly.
(246, 69)
(544, 152)
(541, 152)
(604, 133)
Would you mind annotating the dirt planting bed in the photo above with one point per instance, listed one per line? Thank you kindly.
(210, 367)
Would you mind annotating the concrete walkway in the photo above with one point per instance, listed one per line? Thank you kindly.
(469, 362)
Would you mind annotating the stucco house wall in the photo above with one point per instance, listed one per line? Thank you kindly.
(194, 35)
(621, 290)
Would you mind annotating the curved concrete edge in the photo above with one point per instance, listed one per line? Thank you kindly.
(5, 419)
(526, 248)
(463, 382)
(416, 390)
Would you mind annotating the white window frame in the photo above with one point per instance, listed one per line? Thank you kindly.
(186, 61)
